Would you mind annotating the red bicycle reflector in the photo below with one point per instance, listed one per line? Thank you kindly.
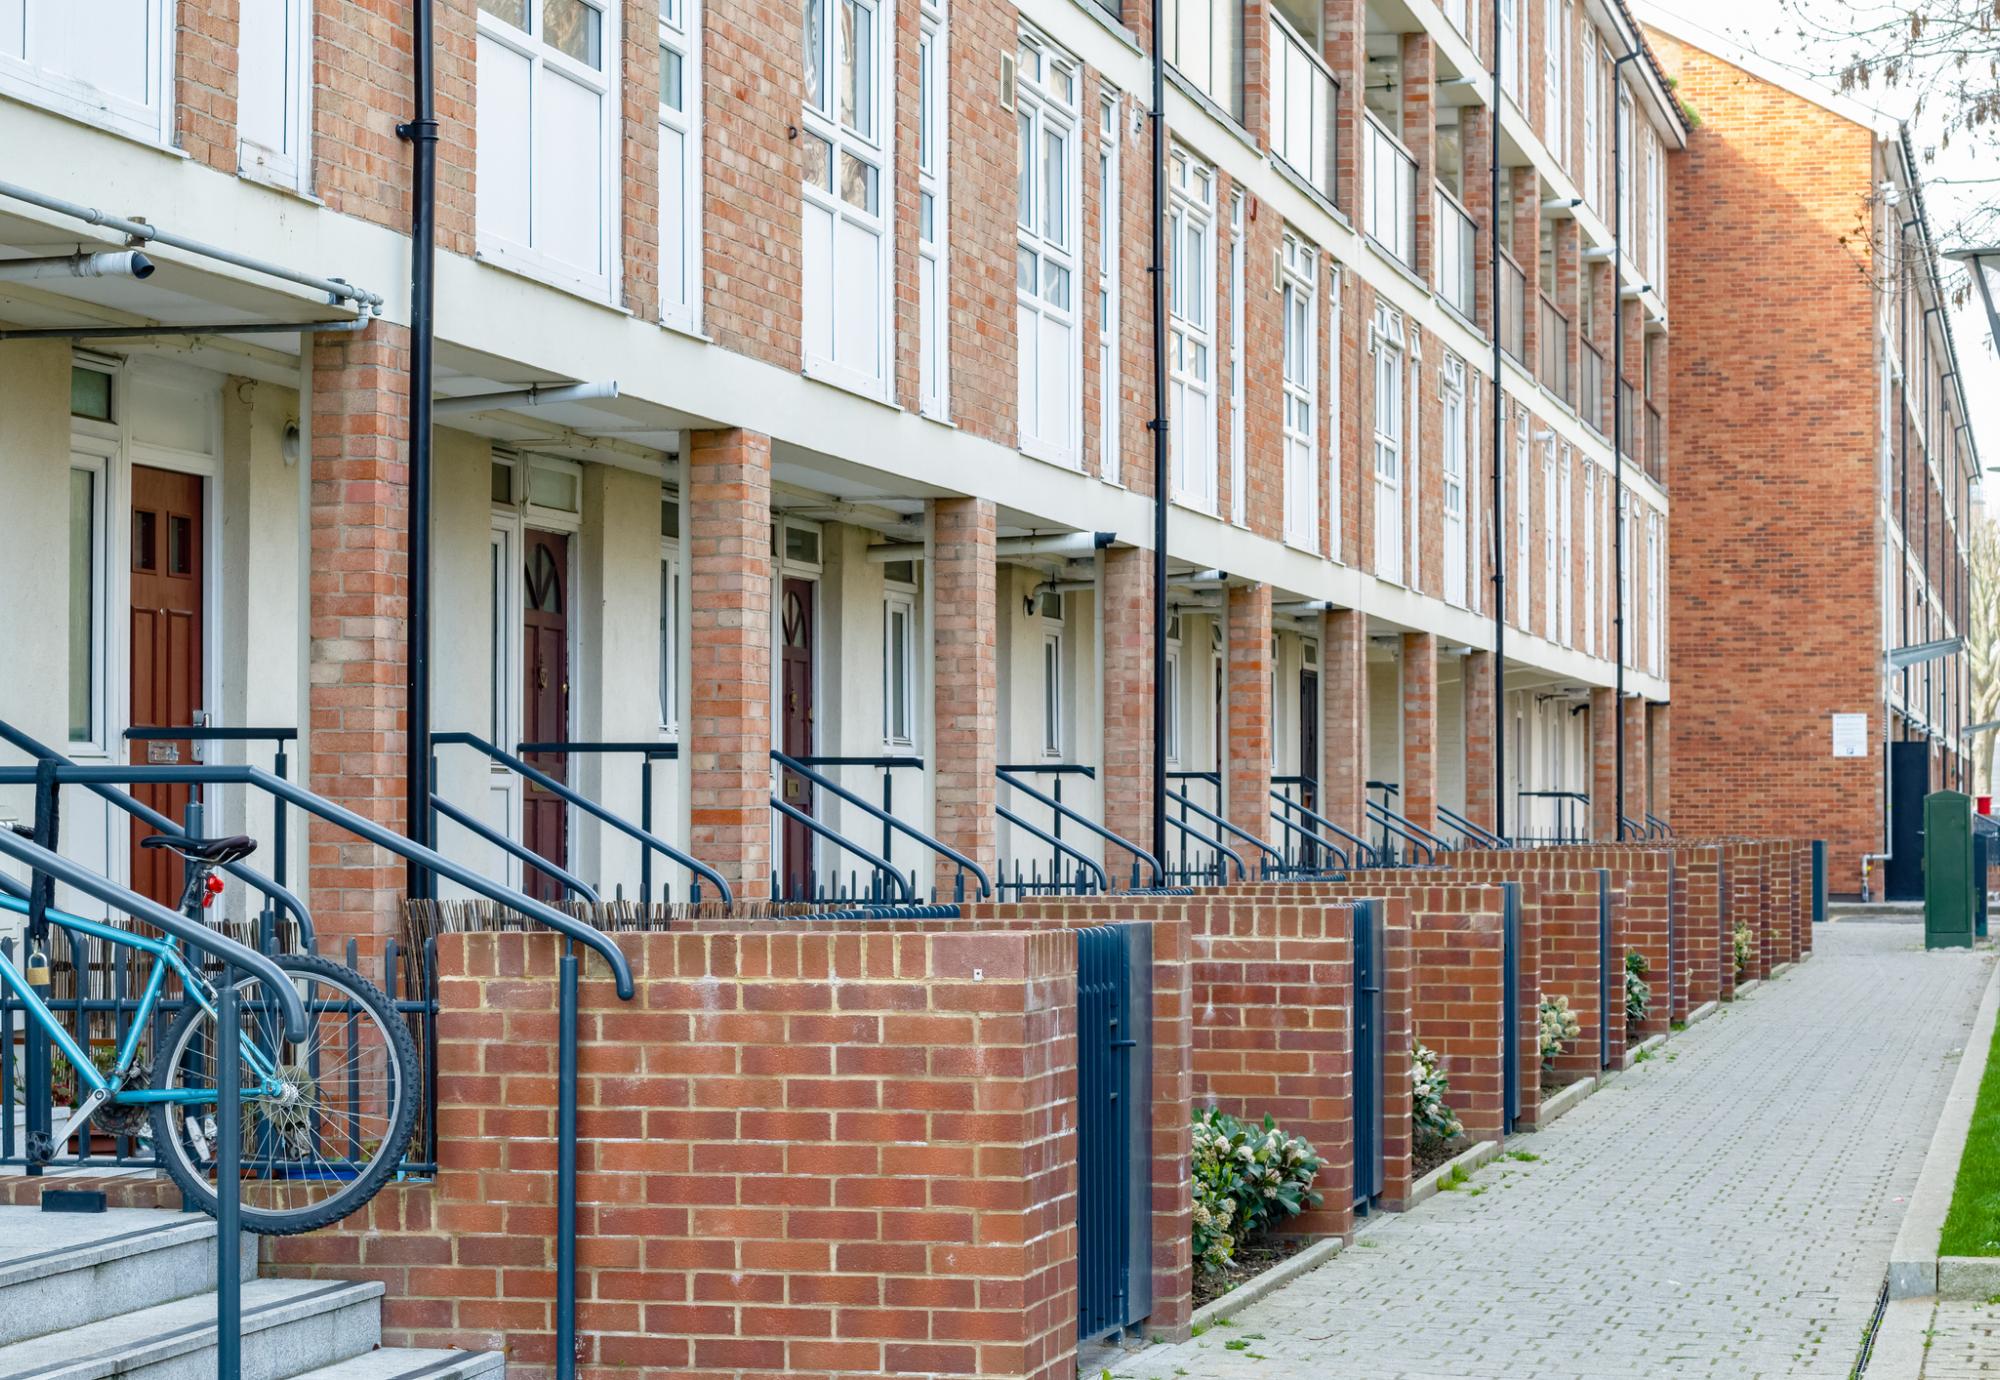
(214, 890)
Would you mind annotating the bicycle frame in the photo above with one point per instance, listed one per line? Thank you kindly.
(166, 954)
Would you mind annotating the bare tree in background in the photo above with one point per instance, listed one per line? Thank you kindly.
(1983, 649)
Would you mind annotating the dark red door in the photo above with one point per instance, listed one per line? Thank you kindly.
(167, 580)
(795, 699)
(545, 701)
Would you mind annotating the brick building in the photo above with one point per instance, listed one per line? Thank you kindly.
(875, 482)
(1821, 425)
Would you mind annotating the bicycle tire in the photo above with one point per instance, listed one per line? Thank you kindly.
(369, 1181)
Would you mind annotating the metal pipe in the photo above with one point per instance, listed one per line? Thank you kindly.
(1157, 267)
(114, 263)
(422, 134)
(1049, 544)
(1499, 472)
(228, 1179)
(138, 232)
(137, 332)
(534, 395)
(1618, 431)
(566, 1171)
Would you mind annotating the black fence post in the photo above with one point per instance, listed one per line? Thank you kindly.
(228, 1181)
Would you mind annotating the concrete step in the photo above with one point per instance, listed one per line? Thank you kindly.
(62, 1270)
(290, 1328)
(394, 1363)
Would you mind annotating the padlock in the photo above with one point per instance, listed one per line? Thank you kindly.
(37, 971)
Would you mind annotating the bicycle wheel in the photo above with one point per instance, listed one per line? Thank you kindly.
(334, 1134)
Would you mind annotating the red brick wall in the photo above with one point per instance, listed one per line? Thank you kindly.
(1776, 619)
(1127, 625)
(1249, 723)
(1644, 878)
(964, 633)
(205, 81)
(1344, 707)
(1419, 800)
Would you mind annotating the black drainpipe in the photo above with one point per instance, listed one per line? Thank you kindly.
(422, 133)
(1618, 434)
(1499, 476)
(1161, 480)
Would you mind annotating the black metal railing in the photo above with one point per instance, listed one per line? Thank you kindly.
(1470, 834)
(1071, 871)
(886, 884)
(1551, 817)
(648, 841)
(1552, 344)
(1306, 836)
(1271, 862)
(1397, 830)
(803, 880)
(1657, 828)
(650, 755)
(1590, 387)
(1513, 309)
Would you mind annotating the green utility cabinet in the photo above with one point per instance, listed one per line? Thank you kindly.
(1950, 902)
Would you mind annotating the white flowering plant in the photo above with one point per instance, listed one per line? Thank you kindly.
(1246, 1177)
(1745, 945)
(1638, 992)
(1557, 1026)
(1430, 1117)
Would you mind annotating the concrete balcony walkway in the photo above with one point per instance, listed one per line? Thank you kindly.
(1725, 1209)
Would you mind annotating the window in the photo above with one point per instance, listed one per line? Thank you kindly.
(1565, 550)
(1110, 212)
(1191, 353)
(933, 300)
(1047, 174)
(1590, 559)
(1551, 589)
(86, 600)
(1052, 676)
(1656, 235)
(109, 62)
(1453, 464)
(670, 613)
(1239, 498)
(1203, 44)
(1171, 691)
(547, 145)
(1555, 42)
(503, 579)
(90, 394)
(1655, 627)
(273, 86)
(1298, 268)
(899, 668)
(1513, 48)
(1593, 190)
(1627, 634)
(1387, 344)
(1624, 189)
(845, 147)
(1333, 285)
(1523, 603)
(680, 164)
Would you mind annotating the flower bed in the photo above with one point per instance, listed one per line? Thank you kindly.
(1438, 1134)
(1556, 1026)
(1247, 1179)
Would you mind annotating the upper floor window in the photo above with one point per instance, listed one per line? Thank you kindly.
(1110, 213)
(1593, 191)
(1191, 315)
(546, 136)
(932, 292)
(1048, 177)
(274, 77)
(1452, 465)
(1204, 44)
(109, 62)
(1656, 222)
(845, 146)
(1625, 189)
(1297, 270)
(1513, 55)
(1387, 345)
(680, 164)
(1555, 78)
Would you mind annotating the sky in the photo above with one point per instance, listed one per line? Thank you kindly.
(1764, 27)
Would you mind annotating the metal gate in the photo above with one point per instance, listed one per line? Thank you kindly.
(1368, 1173)
(1114, 999)
(1606, 961)
(1510, 1004)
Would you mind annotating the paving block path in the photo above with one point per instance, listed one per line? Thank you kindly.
(1964, 1341)
(1726, 1209)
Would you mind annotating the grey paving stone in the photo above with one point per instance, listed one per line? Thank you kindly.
(1725, 1209)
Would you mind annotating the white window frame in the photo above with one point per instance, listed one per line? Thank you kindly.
(290, 164)
(680, 33)
(1628, 642)
(1053, 674)
(673, 581)
(1413, 461)
(1336, 307)
(1239, 447)
(1551, 594)
(1110, 250)
(1298, 305)
(1452, 393)
(1655, 639)
(605, 81)
(95, 461)
(1191, 349)
(1172, 694)
(1656, 235)
(1552, 82)
(899, 601)
(28, 78)
(1385, 343)
(1512, 47)
(1593, 170)
(1523, 521)
(1566, 547)
(933, 215)
(1624, 168)
(1590, 644)
(1046, 92)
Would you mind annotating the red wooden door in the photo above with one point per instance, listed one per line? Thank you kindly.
(166, 651)
(545, 701)
(795, 698)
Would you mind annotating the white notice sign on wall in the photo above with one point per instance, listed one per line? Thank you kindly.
(1850, 735)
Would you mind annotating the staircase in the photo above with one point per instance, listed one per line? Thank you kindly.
(131, 1293)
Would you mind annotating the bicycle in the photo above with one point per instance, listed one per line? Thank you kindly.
(324, 1122)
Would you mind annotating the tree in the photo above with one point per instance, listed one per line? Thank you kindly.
(1983, 649)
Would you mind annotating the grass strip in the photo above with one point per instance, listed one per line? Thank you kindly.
(1972, 1227)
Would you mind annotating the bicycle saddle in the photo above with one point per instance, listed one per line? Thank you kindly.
(216, 852)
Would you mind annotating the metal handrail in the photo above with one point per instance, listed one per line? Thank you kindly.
(1183, 799)
(880, 864)
(1103, 879)
(277, 891)
(1006, 778)
(1362, 846)
(1393, 823)
(240, 956)
(794, 765)
(587, 805)
(524, 855)
(1485, 837)
(1222, 849)
(1630, 827)
(1653, 821)
(1312, 838)
(365, 829)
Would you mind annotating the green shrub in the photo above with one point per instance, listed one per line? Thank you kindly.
(1557, 1026)
(1429, 1116)
(1246, 1178)
(1638, 994)
(1745, 945)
